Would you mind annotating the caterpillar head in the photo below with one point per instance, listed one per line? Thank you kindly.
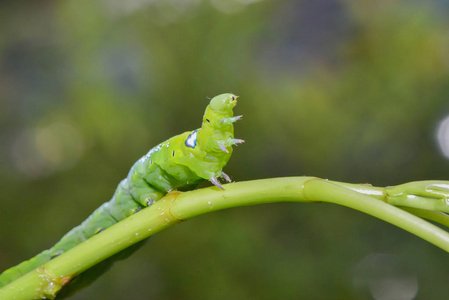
(223, 103)
(211, 145)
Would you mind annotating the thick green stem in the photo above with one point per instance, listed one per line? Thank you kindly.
(176, 207)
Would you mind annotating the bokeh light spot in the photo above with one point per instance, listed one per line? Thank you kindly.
(38, 152)
(443, 136)
(385, 277)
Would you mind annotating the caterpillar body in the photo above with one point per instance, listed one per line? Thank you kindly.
(179, 163)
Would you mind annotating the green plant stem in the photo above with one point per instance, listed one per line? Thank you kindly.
(417, 205)
(434, 216)
(45, 281)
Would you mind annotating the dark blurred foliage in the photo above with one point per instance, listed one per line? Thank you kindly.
(346, 90)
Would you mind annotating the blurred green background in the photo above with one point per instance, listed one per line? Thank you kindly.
(349, 90)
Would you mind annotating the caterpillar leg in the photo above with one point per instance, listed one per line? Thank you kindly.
(143, 193)
(217, 183)
(231, 120)
(229, 142)
(226, 177)
(236, 141)
(214, 180)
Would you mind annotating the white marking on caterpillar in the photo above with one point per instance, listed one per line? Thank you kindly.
(155, 149)
(191, 140)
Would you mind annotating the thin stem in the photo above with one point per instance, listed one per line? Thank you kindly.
(434, 216)
(421, 208)
(396, 216)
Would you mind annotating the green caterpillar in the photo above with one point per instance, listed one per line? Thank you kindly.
(179, 163)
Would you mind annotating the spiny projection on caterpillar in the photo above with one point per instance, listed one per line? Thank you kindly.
(179, 163)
